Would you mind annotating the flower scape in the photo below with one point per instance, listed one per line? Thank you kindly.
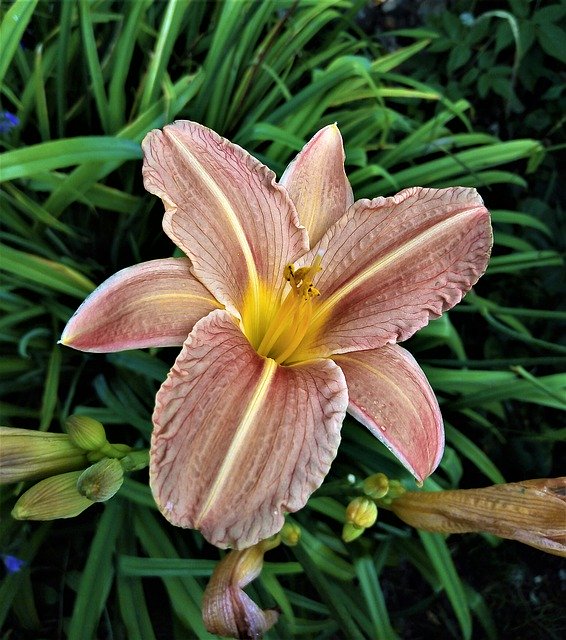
(288, 308)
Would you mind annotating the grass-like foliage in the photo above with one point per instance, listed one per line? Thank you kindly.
(81, 83)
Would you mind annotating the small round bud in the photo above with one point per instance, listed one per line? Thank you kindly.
(361, 512)
(290, 534)
(102, 480)
(85, 432)
(350, 532)
(396, 489)
(376, 486)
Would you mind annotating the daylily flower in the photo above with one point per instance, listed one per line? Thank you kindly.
(283, 326)
(532, 512)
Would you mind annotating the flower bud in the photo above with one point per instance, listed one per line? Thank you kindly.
(361, 512)
(376, 486)
(85, 432)
(396, 489)
(102, 480)
(52, 498)
(532, 512)
(290, 534)
(28, 455)
(226, 609)
(350, 532)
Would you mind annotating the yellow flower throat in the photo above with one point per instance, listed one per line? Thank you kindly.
(276, 326)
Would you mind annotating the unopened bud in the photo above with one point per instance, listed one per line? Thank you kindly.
(52, 498)
(102, 480)
(350, 532)
(376, 486)
(290, 534)
(26, 454)
(396, 489)
(361, 512)
(86, 433)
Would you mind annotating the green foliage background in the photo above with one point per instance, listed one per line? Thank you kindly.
(461, 99)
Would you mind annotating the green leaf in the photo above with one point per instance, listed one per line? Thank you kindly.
(441, 560)
(45, 273)
(472, 452)
(374, 599)
(14, 23)
(170, 26)
(551, 39)
(29, 161)
(98, 574)
(332, 596)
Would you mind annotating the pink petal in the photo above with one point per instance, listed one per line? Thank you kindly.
(317, 182)
(391, 396)
(391, 264)
(239, 440)
(152, 304)
(223, 209)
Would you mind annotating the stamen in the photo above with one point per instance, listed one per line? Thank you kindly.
(290, 321)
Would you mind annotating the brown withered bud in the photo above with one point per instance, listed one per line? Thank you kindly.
(532, 512)
(226, 609)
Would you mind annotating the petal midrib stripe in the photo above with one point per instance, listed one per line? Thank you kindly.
(369, 272)
(225, 205)
(226, 472)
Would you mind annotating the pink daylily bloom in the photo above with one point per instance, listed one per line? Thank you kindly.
(283, 327)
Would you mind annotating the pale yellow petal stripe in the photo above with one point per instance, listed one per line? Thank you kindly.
(393, 256)
(227, 472)
(224, 203)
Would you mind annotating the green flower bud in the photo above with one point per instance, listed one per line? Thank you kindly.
(101, 481)
(361, 512)
(396, 489)
(350, 532)
(52, 498)
(86, 433)
(28, 455)
(376, 486)
(290, 534)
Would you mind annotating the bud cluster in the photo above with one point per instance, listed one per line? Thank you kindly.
(361, 512)
(68, 485)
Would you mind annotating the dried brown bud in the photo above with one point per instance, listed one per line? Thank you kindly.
(532, 512)
(226, 609)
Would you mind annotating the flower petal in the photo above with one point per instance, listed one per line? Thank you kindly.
(152, 304)
(239, 440)
(390, 395)
(317, 182)
(223, 209)
(391, 264)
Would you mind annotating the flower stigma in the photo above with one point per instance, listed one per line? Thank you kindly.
(284, 321)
